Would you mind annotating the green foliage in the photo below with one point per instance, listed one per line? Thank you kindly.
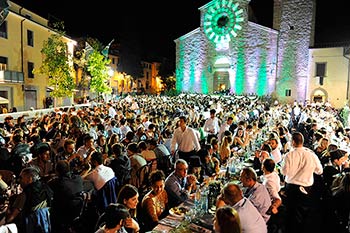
(55, 65)
(97, 65)
(170, 92)
(169, 82)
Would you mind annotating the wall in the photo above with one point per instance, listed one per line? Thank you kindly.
(336, 80)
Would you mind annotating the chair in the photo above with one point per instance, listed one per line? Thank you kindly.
(39, 221)
(142, 182)
(100, 221)
(79, 222)
(107, 194)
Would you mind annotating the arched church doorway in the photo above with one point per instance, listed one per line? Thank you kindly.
(319, 96)
(221, 81)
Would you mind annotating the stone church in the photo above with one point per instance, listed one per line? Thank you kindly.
(229, 52)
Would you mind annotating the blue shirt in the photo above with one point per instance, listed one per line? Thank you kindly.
(260, 198)
(251, 219)
(175, 187)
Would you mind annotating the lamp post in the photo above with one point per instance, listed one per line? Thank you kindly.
(110, 74)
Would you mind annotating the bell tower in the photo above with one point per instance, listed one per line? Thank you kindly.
(295, 21)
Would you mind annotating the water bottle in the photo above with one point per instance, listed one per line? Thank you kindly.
(197, 198)
(233, 167)
(204, 199)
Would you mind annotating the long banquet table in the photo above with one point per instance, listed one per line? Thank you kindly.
(187, 223)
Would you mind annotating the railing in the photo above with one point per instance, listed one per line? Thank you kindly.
(11, 76)
(38, 112)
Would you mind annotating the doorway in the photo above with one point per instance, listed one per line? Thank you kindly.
(221, 81)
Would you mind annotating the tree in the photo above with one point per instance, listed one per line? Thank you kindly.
(98, 68)
(56, 66)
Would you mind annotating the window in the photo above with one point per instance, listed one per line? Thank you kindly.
(30, 38)
(288, 92)
(3, 30)
(320, 69)
(30, 69)
(3, 63)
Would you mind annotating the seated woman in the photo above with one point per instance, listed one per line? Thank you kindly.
(225, 149)
(129, 196)
(155, 203)
(240, 139)
(114, 217)
(210, 164)
(226, 220)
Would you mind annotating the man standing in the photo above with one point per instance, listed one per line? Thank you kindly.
(211, 125)
(298, 167)
(225, 127)
(185, 140)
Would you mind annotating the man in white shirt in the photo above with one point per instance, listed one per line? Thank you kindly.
(298, 167)
(225, 127)
(251, 220)
(185, 140)
(272, 182)
(211, 125)
(111, 111)
(100, 174)
(275, 153)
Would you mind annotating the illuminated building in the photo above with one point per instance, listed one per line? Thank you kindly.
(228, 52)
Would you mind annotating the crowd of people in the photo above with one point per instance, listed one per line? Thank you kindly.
(120, 166)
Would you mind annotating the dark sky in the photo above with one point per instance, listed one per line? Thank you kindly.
(157, 23)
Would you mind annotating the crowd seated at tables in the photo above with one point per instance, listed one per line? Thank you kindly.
(151, 153)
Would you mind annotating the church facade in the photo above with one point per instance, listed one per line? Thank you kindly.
(228, 52)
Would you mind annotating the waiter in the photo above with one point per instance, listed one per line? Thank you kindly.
(299, 166)
(184, 140)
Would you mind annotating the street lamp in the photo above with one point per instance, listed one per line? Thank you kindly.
(110, 74)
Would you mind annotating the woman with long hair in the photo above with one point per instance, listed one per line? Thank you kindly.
(155, 202)
(225, 149)
(129, 196)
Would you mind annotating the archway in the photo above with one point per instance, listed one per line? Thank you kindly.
(221, 80)
(319, 95)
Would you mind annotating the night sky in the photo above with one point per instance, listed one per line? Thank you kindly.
(156, 24)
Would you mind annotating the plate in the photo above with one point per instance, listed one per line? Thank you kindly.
(248, 164)
(177, 211)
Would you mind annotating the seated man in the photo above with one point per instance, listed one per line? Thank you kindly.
(256, 192)
(251, 219)
(162, 154)
(36, 195)
(104, 181)
(179, 185)
(66, 190)
(120, 164)
(43, 162)
(99, 174)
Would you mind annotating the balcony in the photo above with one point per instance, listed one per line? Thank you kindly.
(7, 76)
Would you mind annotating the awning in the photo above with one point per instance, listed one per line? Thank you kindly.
(3, 100)
(49, 89)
